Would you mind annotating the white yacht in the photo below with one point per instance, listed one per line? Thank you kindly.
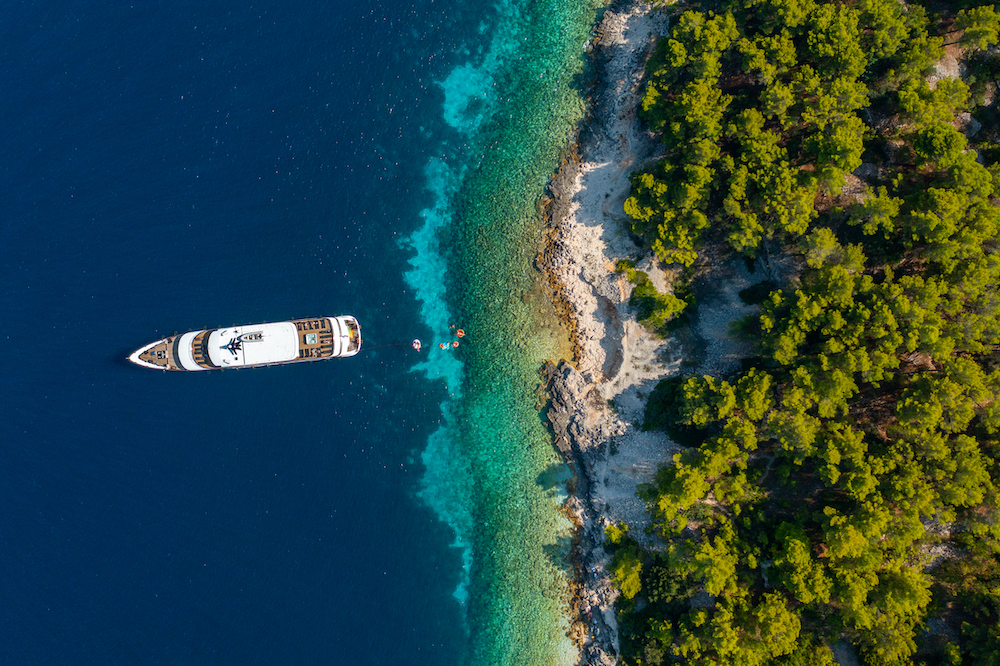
(255, 345)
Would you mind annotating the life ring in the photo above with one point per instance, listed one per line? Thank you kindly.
(443, 345)
(455, 343)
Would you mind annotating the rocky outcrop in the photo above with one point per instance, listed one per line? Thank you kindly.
(578, 416)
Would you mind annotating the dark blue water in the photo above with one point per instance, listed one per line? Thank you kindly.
(173, 166)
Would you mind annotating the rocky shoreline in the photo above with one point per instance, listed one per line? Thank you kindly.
(597, 400)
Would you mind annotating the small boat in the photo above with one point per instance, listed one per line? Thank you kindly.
(254, 345)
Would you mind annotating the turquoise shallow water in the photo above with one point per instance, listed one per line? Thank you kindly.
(492, 473)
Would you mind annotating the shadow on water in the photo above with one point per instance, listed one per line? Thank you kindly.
(558, 553)
(554, 478)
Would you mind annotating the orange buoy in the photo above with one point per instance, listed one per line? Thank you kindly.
(455, 343)
(460, 333)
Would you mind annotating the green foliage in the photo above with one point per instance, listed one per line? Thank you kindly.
(807, 653)
(839, 148)
(707, 399)
(714, 561)
(871, 408)
(754, 395)
(739, 632)
(878, 212)
(705, 37)
(655, 309)
(803, 574)
(939, 143)
(649, 191)
(777, 14)
(918, 54)
(615, 532)
(889, 28)
(980, 26)
(662, 584)
(820, 246)
(626, 569)
(648, 622)
(833, 40)
(926, 106)
(972, 585)
(810, 62)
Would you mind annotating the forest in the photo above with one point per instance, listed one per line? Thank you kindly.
(842, 487)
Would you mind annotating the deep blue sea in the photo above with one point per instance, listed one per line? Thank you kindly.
(175, 166)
